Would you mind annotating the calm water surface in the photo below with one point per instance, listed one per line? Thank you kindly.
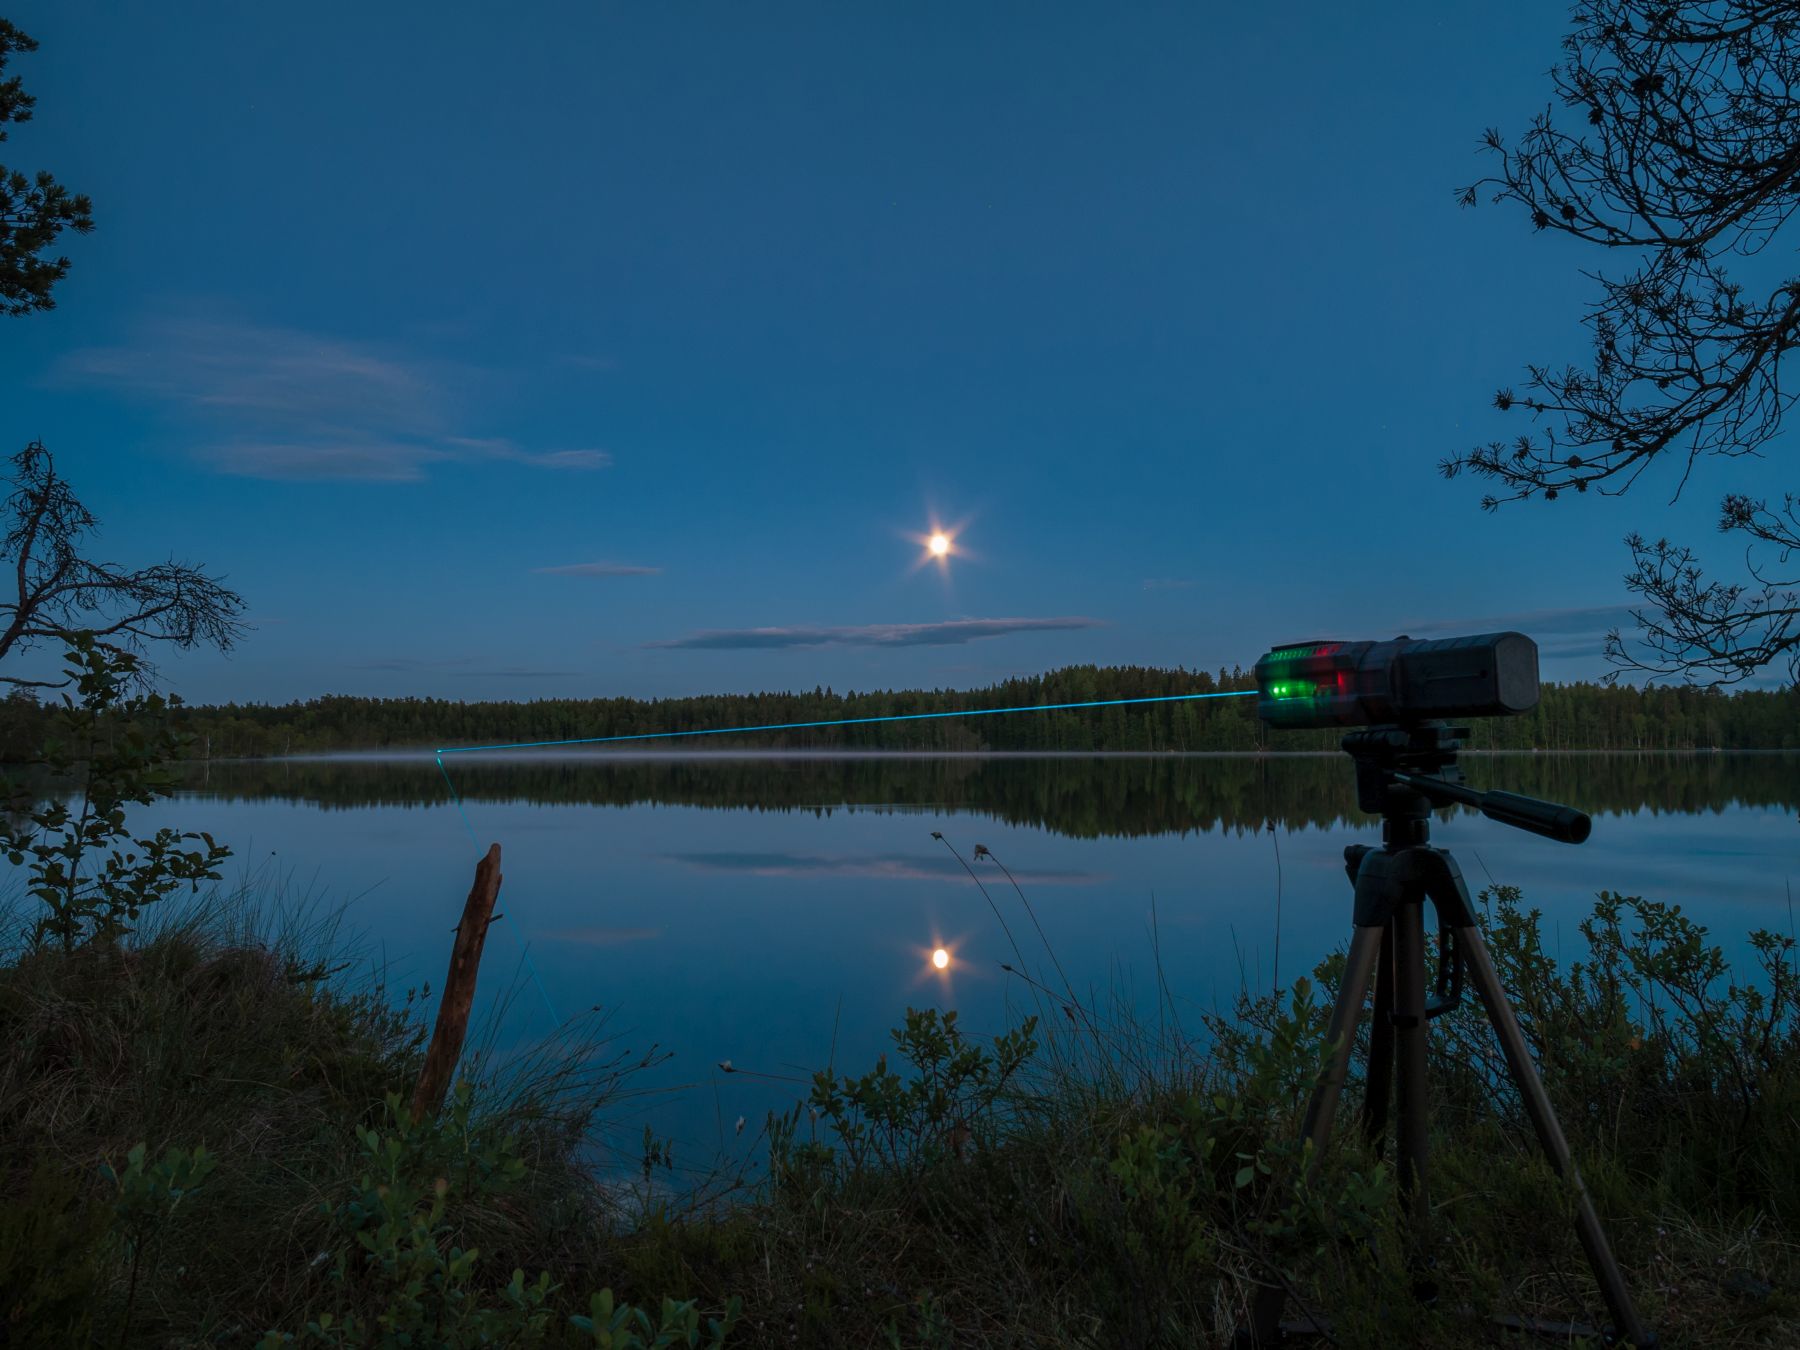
(776, 910)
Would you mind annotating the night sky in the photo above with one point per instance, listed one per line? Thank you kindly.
(580, 349)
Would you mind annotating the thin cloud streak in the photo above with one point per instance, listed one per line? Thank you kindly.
(1579, 619)
(951, 633)
(495, 447)
(1570, 648)
(344, 462)
(1575, 633)
(598, 569)
(292, 406)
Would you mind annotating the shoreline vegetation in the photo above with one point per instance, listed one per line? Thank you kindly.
(204, 1137)
(1568, 716)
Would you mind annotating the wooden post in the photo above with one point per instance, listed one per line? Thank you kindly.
(459, 988)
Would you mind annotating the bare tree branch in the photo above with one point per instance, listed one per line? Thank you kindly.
(1689, 158)
(59, 590)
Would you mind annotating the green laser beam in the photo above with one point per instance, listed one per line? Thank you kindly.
(846, 722)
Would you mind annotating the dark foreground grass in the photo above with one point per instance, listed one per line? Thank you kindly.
(1078, 1181)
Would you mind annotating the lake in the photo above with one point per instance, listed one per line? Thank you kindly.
(780, 910)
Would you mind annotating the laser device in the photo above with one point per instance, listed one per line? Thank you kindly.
(1344, 684)
(1394, 697)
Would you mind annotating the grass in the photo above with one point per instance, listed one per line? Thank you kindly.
(250, 1034)
(1086, 1180)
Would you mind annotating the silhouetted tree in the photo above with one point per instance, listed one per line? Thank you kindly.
(58, 590)
(34, 209)
(1687, 155)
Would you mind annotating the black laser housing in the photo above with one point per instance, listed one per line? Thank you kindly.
(1399, 682)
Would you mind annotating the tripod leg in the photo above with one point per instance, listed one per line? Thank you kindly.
(1380, 1082)
(1550, 1135)
(1365, 943)
(1264, 1322)
(1409, 1055)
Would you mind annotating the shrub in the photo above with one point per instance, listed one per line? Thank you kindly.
(92, 878)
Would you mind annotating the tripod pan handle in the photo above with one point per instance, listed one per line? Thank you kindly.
(1562, 823)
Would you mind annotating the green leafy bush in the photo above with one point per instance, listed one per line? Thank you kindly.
(399, 1276)
(1655, 1052)
(946, 1107)
(92, 877)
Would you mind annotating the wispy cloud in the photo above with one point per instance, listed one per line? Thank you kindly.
(517, 673)
(280, 403)
(1580, 619)
(1571, 634)
(494, 447)
(598, 569)
(863, 866)
(950, 633)
(347, 460)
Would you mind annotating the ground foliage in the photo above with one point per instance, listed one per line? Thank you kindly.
(1136, 1186)
(204, 1143)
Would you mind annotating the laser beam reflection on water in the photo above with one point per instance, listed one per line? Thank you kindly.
(849, 721)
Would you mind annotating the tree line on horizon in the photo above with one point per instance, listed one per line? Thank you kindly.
(1578, 716)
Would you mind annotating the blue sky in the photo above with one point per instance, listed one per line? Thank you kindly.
(594, 350)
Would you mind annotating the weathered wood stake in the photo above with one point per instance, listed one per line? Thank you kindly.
(459, 988)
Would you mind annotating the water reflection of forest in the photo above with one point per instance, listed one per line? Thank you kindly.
(1084, 796)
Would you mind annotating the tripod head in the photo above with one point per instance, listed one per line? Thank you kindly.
(1405, 772)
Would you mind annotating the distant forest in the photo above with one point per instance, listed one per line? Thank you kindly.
(1568, 717)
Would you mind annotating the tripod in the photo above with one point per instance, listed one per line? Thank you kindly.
(1403, 773)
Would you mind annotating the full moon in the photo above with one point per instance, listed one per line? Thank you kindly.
(940, 958)
(939, 544)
